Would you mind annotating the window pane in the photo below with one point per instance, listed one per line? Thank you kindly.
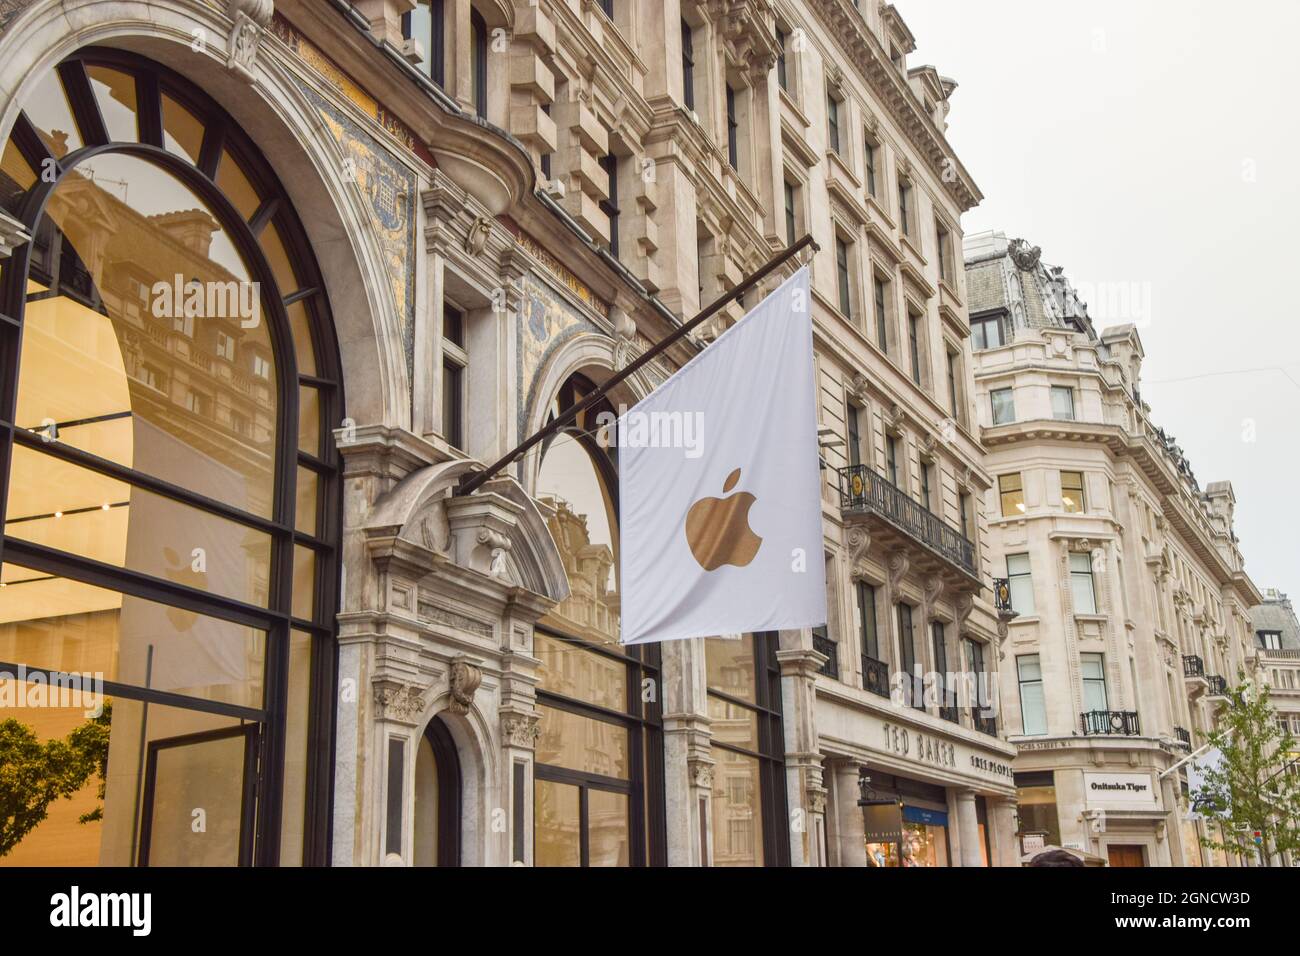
(232, 181)
(47, 108)
(736, 810)
(308, 492)
(298, 716)
(730, 666)
(210, 778)
(64, 625)
(557, 825)
(16, 176)
(60, 505)
(733, 724)
(182, 132)
(609, 829)
(1062, 403)
(1004, 409)
(304, 582)
(277, 257)
(1013, 497)
(136, 378)
(300, 325)
(580, 674)
(1028, 668)
(1072, 491)
(115, 94)
(580, 743)
(309, 420)
(1033, 708)
(585, 529)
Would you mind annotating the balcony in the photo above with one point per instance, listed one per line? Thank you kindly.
(1193, 666)
(900, 519)
(875, 676)
(1122, 723)
(1218, 685)
(824, 645)
(1002, 597)
(1184, 738)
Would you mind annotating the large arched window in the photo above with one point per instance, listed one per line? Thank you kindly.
(168, 379)
(598, 797)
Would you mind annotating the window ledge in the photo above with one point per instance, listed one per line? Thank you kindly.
(1096, 618)
(1024, 619)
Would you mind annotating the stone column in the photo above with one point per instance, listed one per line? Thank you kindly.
(1002, 821)
(848, 815)
(1173, 841)
(968, 829)
(805, 791)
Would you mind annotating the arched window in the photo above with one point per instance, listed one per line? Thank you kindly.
(168, 379)
(598, 797)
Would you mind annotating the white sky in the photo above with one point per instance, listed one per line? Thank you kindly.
(1156, 142)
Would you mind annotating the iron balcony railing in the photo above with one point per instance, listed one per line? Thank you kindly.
(1121, 722)
(1193, 666)
(862, 489)
(875, 676)
(1184, 738)
(824, 645)
(1218, 685)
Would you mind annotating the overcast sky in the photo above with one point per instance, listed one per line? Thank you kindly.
(1153, 147)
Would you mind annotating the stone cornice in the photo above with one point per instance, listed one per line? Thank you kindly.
(871, 61)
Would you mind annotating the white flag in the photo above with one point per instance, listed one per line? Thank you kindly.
(1200, 800)
(719, 486)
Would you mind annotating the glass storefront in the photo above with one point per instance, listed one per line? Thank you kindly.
(171, 502)
(924, 841)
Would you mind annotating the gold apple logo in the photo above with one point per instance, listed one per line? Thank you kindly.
(717, 529)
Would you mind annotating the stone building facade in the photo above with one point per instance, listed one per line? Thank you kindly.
(459, 217)
(1132, 603)
(1277, 649)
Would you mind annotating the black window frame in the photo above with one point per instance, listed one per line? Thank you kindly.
(437, 52)
(843, 277)
(223, 138)
(767, 705)
(609, 206)
(479, 47)
(688, 65)
(733, 129)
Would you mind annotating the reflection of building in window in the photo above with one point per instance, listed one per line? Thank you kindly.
(592, 605)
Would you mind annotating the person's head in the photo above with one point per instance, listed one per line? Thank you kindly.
(1056, 858)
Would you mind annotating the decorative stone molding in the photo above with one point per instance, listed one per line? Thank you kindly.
(398, 701)
(700, 772)
(251, 18)
(12, 235)
(464, 680)
(520, 730)
(898, 565)
(934, 586)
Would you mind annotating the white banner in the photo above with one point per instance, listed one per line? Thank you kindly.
(722, 533)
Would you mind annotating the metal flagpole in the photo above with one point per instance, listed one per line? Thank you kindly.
(472, 481)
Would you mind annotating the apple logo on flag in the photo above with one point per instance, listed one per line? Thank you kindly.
(717, 529)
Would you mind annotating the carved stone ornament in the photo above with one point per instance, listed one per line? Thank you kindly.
(520, 730)
(898, 565)
(498, 544)
(815, 800)
(895, 417)
(464, 680)
(860, 387)
(477, 237)
(933, 589)
(624, 337)
(1024, 255)
(251, 17)
(398, 701)
(859, 542)
(701, 772)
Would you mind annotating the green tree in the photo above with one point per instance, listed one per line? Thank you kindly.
(1254, 788)
(33, 774)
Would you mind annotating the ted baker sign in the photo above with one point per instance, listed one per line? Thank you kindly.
(1119, 789)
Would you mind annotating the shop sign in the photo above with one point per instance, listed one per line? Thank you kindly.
(883, 822)
(1133, 790)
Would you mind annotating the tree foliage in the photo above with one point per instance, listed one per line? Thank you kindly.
(1255, 787)
(34, 774)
